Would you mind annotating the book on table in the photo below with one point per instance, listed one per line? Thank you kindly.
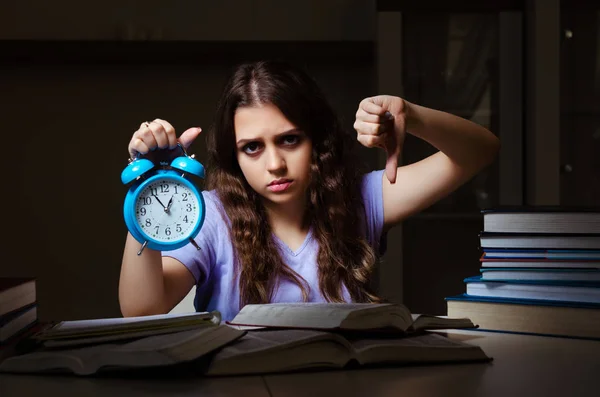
(558, 290)
(14, 323)
(161, 350)
(93, 331)
(16, 293)
(588, 241)
(533, 254)
(385, 317)
(497, 261)
(542, 219)
(18, 307)
(540, 317)
(287, 337)
(285, 350)
(539, 274)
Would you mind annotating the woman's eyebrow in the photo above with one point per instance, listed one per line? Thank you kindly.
(246, 140)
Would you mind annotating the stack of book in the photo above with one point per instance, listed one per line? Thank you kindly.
(18, 309)
(540, 273)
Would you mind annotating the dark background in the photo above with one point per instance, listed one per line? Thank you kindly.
(77, 79)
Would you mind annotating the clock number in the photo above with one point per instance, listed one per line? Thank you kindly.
(142, 211)
(156, 228)
(185, 219)
(188, 207)
(184, 196)
(146, 200)
(178, 228)
(175, 189)
(153, 191)
(164, 188)
(148, 222)
(168, 231)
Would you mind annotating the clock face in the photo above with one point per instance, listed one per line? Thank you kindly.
(167, 210)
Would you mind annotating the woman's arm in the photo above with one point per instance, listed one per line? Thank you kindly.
(149, 283)
(464, 149)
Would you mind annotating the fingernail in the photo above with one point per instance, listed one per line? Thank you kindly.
(389, 116)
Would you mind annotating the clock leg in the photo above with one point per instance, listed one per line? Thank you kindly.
(194, 243)
(142, 247)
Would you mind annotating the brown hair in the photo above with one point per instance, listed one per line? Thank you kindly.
(334, 200)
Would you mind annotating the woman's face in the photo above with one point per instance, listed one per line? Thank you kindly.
(273, 154)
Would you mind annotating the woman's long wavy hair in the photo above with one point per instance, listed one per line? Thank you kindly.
(334, 200)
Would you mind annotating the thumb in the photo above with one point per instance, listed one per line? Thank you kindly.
(391, 165)
(189, 136)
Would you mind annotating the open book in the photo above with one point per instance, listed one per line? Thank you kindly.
(153, 351)
(271, 351)
(85, 332)
(342, 316)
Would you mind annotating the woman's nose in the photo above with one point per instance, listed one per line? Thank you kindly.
(275, 161)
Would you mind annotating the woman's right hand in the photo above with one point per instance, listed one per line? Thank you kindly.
(159, 134)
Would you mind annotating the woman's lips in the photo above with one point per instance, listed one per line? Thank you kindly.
(279, 187)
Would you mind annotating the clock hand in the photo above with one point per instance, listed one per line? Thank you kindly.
(160, 202)
(169, 204)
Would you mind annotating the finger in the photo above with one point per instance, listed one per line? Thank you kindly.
(160, 135)
(392, 148)
(169, 131)
(361, 115)
(137, 146)
(146, 135)
(189, 136)
(370, 128)
(372, 108)
(391, 167)
(371, 141)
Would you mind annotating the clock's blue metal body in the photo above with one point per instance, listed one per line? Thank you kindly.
(142, 173)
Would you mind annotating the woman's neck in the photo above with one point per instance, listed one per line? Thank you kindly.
(288, 222)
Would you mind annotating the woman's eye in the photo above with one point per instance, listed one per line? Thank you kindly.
(290, 139)
(251, 147)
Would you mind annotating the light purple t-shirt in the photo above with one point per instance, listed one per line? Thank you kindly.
(213, 265)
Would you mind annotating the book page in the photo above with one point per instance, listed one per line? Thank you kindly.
(300, 315)
(429, 347)
(112, 337)
(425, 321)
(270, 351)
(152, 351)
(258, 341)
(103, 325)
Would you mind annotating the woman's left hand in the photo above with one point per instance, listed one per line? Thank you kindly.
(381, 122)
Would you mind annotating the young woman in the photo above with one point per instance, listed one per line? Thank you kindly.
(289, 217)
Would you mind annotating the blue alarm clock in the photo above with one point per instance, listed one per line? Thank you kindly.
(163, 209)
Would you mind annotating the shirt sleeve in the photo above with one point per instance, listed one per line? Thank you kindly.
(201, 262)
(372, 193)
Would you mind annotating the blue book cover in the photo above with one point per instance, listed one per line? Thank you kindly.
(541, 269)
(539, 274)
(515, 253)
(558, 283)
(516, 301)
(567, 290)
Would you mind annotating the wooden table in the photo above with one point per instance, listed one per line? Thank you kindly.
(523, 365)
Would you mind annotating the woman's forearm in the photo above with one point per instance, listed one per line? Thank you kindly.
(141, 284)
(464, 142)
